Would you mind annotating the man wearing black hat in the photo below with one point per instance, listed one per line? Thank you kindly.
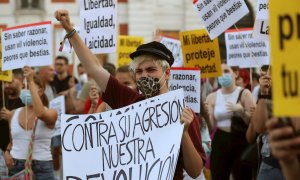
(151, 67)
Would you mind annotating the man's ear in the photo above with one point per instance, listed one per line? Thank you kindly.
(168, 72)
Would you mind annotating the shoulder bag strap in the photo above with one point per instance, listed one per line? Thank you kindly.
(28, 163)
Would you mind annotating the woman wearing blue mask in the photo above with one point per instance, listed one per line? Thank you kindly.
(226, 145)
(22, 124)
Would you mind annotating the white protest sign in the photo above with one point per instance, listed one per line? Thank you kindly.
(139, 141)
(29, 44)
(59, 105)
(245, 51)
(261, 26)
(98, 20)
(219, 15)
(189, 80)
(174, 46)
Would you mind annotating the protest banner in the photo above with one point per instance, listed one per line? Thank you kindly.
(29, 44)
(261, 26)
(59, 105)
(245, 51)
(200, 52)
(139, 141)
(219, 15)
(189, 80)
(175, 47)
(98, 20)
(4, 75)
(127, 45)
(285, 40)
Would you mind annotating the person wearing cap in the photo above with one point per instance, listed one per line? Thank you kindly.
(151, 64)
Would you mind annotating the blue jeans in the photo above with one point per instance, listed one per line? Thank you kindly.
(3, 169)
(267, 172)
(41, 169)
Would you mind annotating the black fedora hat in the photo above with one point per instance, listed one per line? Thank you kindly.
(154, 48)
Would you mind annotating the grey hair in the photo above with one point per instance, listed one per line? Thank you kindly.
(138, 60)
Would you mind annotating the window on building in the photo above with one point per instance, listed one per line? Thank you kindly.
(63, 1)
(4, 1)
(123, 29)
(30, 4)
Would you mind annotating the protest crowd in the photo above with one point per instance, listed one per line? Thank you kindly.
(226, 126)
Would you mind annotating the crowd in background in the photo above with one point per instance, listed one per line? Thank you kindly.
(234, 136)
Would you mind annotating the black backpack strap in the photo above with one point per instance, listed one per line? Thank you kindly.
(240, 95)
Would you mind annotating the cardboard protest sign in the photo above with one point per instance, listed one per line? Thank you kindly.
(285, 49)
(175, 47)
(200, 52)
(245, 51)
(98, 20)
(59, 105)
(29, 44)
(127, 45)
(261, 26)
(189, 80)
(4, 75)
(217, 16)
(139, 141)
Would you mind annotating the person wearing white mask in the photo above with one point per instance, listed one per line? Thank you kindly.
(226, 145)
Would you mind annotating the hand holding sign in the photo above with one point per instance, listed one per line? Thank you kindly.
(28, 73)
(62, 15)
(187, 117)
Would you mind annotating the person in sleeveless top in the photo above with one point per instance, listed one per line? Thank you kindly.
(21, 129)
(226, 146)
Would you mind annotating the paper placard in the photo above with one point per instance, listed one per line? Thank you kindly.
(189, 80)
(175, 47)
(127, 45)
(125, 143)
(98, 21)
(261, 25)
(219, 15)
(200, 52)
(58, 104)
(29, 44)
(285, 49)
(245, 51)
